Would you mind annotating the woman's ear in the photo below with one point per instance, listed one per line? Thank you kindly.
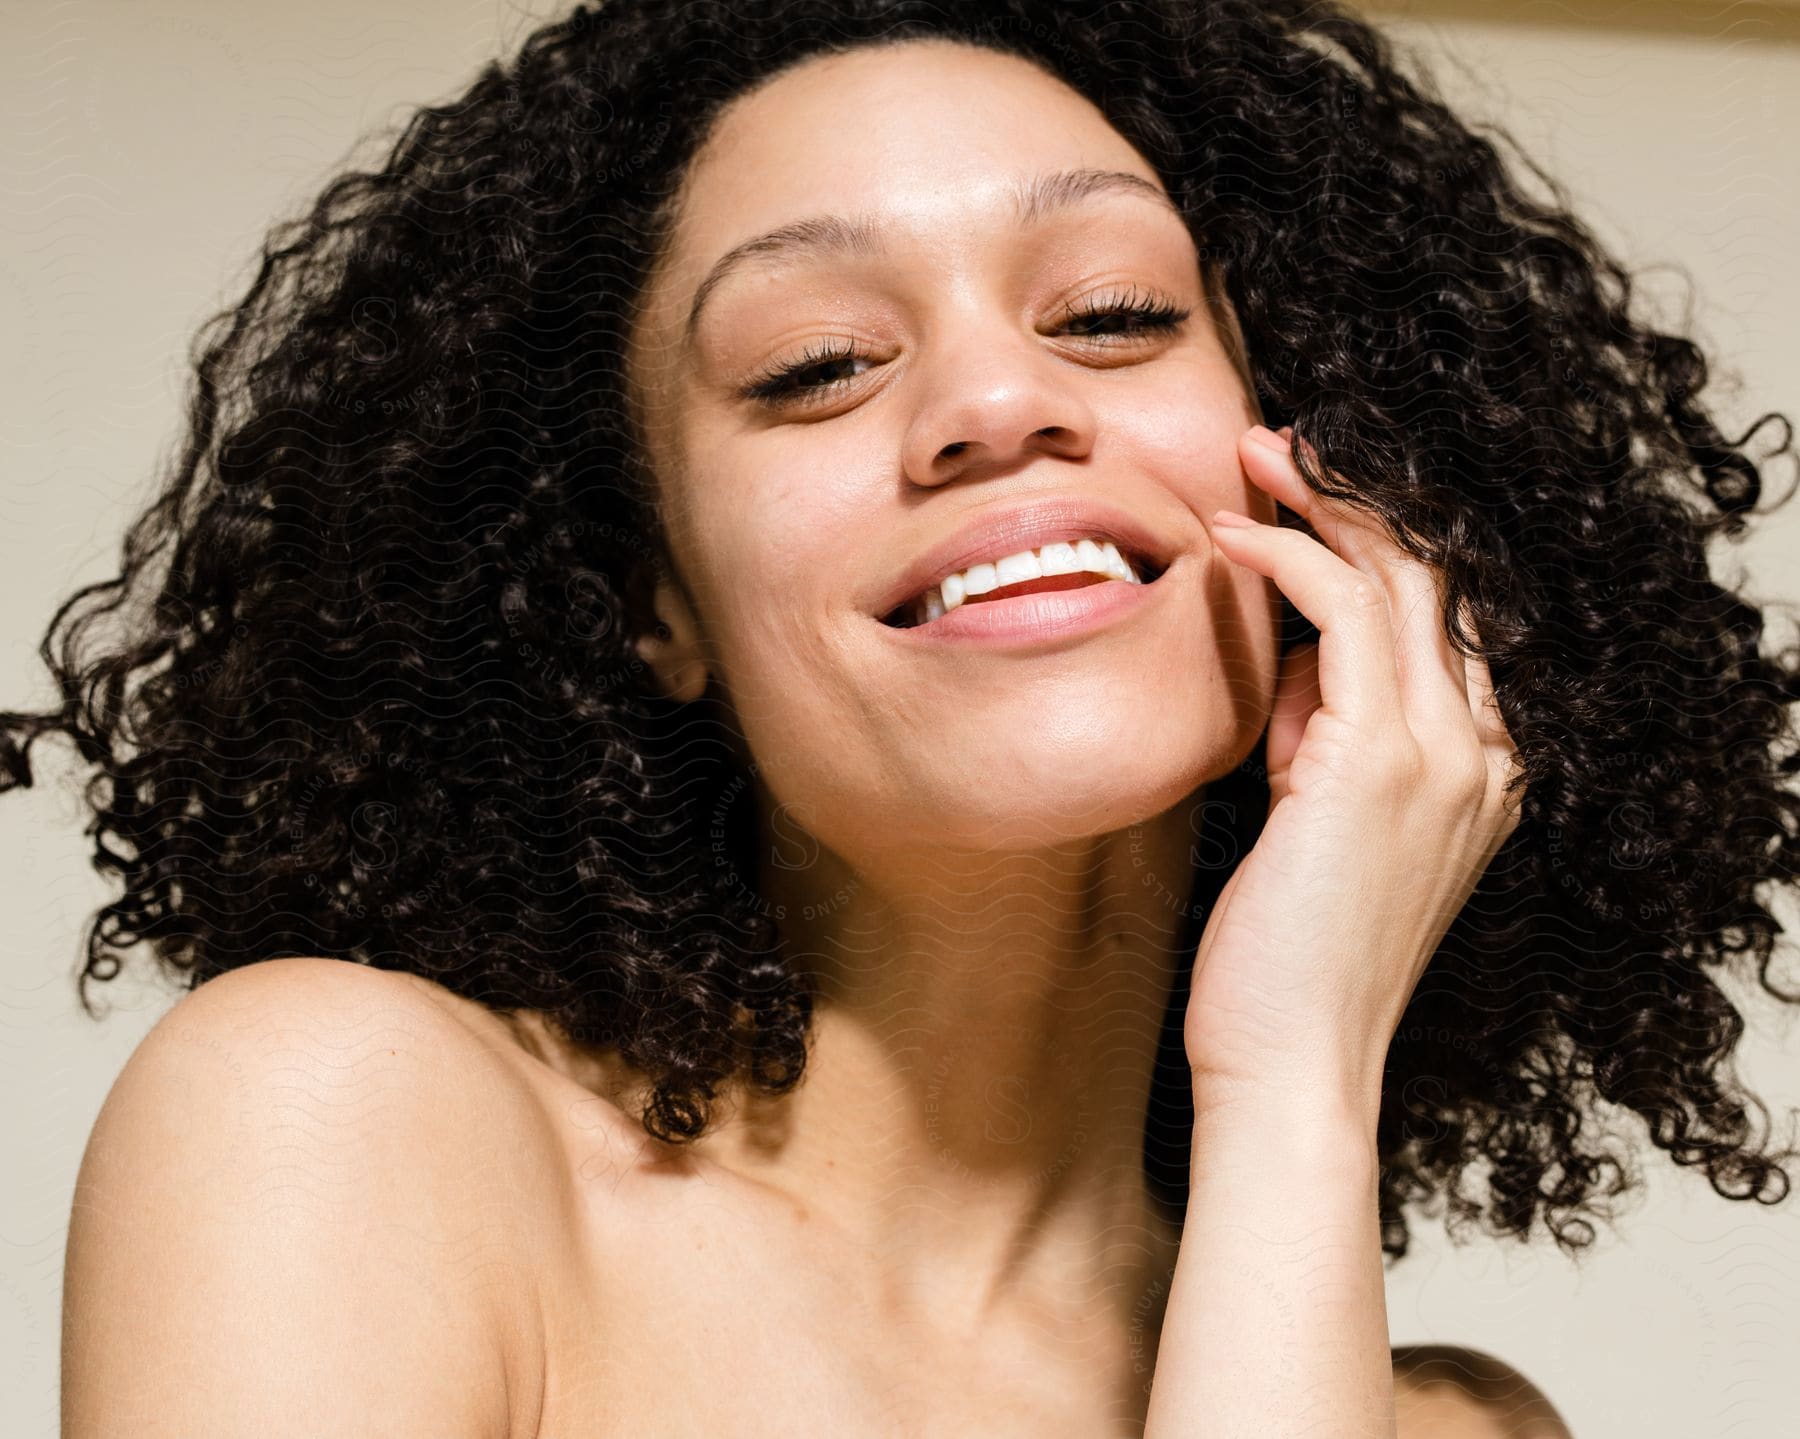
(671, 645)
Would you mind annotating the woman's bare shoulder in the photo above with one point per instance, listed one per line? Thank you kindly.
(382, 1058)
(287, 1008)
(1447, 1391)
(305, 1174)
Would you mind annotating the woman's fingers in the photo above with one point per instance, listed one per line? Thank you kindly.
(1496, 740)
(1297, 695)
(1432, 678)
(1480, 686)
(1357, 677)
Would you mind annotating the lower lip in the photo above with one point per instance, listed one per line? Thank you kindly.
(1025, 620)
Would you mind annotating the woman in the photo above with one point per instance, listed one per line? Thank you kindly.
(741, 582)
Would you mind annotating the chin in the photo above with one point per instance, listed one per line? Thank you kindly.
(1022, 800)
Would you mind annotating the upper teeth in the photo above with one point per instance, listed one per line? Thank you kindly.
(1060, 558)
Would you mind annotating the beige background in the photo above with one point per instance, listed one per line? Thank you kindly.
(147, 148)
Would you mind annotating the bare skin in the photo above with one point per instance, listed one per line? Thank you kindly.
(988, 875)
(311, 1174)
(795, 1331)
(946, 1228)
(800, 1331)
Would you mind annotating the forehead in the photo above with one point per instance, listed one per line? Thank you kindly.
(932, 139)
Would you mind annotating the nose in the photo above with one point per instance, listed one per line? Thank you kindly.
(992, 414)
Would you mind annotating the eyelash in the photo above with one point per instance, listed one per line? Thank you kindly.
(778, 388)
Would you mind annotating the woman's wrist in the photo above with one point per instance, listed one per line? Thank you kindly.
(1330, 1106)
(1277, 1312)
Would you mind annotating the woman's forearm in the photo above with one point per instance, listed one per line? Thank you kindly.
(1276, 1325)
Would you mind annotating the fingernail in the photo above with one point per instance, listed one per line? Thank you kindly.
(1232, 519)
(1267, 438)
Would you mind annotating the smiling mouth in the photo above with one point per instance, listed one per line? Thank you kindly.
(910, 615)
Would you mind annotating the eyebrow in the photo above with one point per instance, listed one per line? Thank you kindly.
(1032, 201)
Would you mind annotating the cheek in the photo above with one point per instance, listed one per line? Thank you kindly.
(1183, 435)
(792, 510)
(777, 547)
(1184, 429)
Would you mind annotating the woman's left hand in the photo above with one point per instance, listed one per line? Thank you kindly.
(1387, 766)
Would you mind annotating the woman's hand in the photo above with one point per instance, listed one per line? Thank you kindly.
(1387, 767)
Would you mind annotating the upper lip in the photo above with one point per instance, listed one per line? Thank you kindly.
(1026, 525)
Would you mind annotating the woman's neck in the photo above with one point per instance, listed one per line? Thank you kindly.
(980, 1068)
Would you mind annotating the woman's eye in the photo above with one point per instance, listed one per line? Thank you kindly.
(810, 378)
(797, 378)
(1147, 317)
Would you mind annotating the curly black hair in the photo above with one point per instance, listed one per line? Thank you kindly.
(398, 568)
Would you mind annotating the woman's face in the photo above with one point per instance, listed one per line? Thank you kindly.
(795, 510)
